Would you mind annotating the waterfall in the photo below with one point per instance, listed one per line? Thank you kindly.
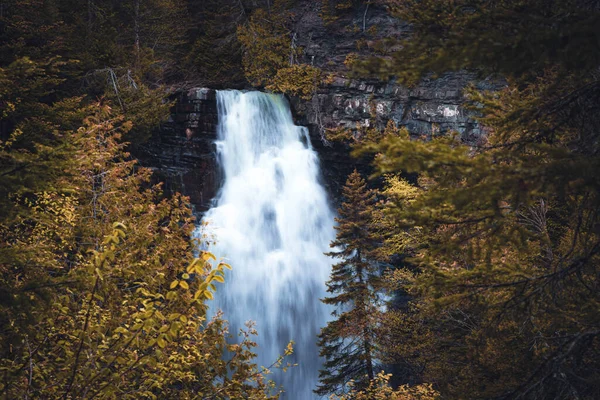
(272, 222)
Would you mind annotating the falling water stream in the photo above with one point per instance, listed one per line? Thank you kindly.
(272, 223)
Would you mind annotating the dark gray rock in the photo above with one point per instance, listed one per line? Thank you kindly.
(182, 150)
(433, 107)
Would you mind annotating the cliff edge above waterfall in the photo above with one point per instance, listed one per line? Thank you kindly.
(182, 149)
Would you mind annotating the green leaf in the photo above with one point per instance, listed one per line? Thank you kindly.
(171, 295)
(119, 225)
(174, 316)
(174, 330)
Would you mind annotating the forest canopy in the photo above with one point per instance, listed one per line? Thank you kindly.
(501, 238)
(461, 270)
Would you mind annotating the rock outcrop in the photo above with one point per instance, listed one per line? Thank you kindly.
(182, 150)
(434, 107)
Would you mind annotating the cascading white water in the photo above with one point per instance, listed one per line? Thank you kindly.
(272, 222)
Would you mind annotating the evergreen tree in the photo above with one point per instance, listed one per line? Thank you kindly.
(348, 342)
(506, 298)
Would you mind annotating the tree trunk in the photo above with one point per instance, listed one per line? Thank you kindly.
(367, 348)
(368, 356)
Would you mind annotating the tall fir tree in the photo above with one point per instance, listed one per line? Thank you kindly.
(506, 298)
(348, 342)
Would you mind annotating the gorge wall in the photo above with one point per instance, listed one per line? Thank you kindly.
(182, 150)
(183, 154)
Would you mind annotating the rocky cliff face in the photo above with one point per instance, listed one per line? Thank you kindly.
(183, 153)
(435, 106)
(183, 150)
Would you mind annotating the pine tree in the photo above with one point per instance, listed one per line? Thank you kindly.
(348, 342)
(506, 298)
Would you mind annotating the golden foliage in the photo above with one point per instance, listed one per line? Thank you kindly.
(379, 389)
(298, 80)
(271, 56)
(365, 135)
(398, 194)
(351, 60)
(267, 46)
(96, 308)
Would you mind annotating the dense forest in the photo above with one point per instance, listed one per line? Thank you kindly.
(459, 270)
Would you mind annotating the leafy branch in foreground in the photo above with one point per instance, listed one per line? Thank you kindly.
(92, 308)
